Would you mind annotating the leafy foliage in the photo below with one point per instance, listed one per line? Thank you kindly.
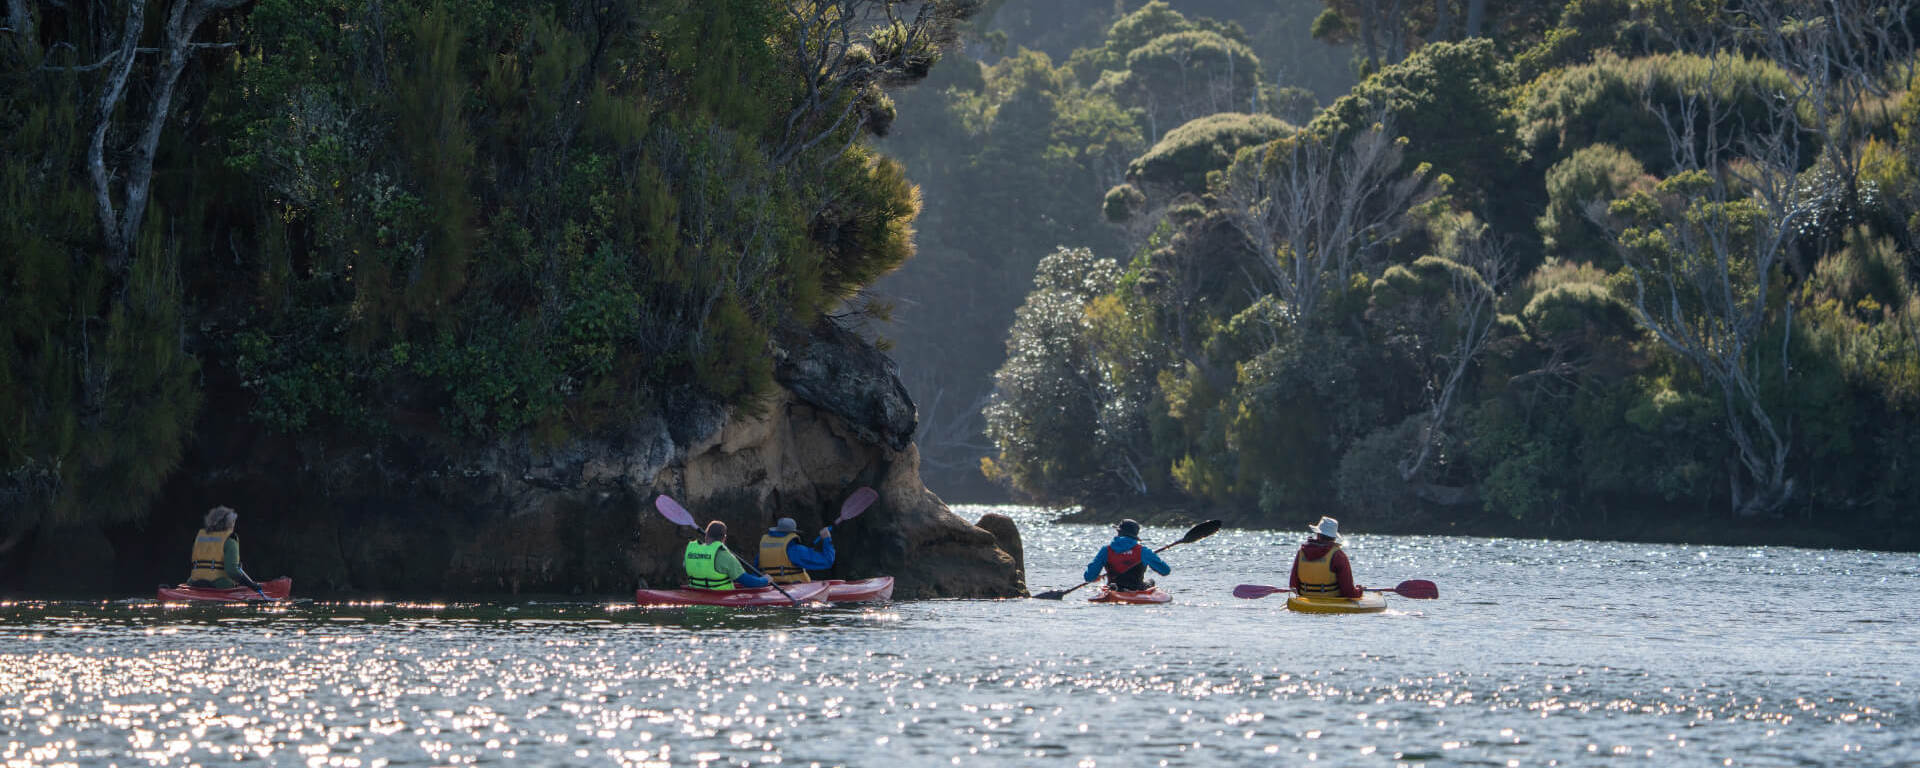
(1712, 306)
(450, 218)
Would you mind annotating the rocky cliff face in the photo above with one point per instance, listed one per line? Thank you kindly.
(414, 515)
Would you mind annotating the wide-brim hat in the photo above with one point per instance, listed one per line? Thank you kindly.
(786, 524)
(1327, 527)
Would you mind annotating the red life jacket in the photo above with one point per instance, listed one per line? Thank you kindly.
(1125, 570)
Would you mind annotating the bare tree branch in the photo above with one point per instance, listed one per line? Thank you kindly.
(1703, 270)
(1316, 215)
(1474, 296)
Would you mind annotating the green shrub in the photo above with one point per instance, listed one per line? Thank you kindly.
(1181, 160)
(1597, 173)
(1606, 102)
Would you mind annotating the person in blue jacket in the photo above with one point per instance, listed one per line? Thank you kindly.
(786, 560)
(1126, 561)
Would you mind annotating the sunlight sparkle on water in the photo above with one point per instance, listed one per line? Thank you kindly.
(1520, 664)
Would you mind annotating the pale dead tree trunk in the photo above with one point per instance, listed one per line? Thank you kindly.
(1474, 298)
(1396, 33)
(1703, 288)
(120, 225)
(108, 103)
(1369, 21)
(20, 21)
(1850, 59)
(1476, 11)
(1318, 214)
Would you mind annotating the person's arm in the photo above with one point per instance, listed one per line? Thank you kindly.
(1293, 579)
(812, 559)
(1343, 571)
(230, 560)
(1093, 568)
(1153, 561)
(728, 565)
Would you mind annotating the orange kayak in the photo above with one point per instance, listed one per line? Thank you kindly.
(277, 589)
(1143, 597)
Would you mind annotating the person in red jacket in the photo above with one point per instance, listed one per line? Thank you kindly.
(1320, 569)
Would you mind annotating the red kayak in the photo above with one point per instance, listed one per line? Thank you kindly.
(278, 589)
(1143, 597)
(875, 590)
(734, 598)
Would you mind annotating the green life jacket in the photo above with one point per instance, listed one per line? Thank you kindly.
(700, 571)
(210, 557)
(775, 563)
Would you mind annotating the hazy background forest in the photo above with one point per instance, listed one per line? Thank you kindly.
(1606, 267)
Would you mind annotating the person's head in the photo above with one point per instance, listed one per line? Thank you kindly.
(1327, 529)
(220, 519)
(1128, 528)
(786, 525)
(716, 531)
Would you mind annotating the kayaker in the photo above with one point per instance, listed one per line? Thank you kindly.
(1320, 568)
(216, 553)
(785, 560)
(710, 565)
(1126, 561)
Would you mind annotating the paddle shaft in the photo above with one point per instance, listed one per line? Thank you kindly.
(756, 572)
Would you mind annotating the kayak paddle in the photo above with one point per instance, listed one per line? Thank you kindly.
(856, 504)
(1195, 533)
(1414, 589)
(672, 510)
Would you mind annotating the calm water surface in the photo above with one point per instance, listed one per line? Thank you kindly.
(1538, 653)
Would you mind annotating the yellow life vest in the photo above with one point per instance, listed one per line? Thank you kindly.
(1316, 575)
(210, 555)
(700, 571)
(775, 563)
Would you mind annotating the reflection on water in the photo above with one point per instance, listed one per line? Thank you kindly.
(1539, 653)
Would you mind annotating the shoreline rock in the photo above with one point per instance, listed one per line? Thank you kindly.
(416, 514)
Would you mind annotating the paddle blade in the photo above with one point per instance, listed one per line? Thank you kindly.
(1052, 594)
(1257, 591)
(1201, 531)
(673, 511)
(1418, 589)
(857, 503)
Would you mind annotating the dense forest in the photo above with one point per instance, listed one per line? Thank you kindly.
(1586, 268)
(1597, 267)
(1010, 138)
(450, 223)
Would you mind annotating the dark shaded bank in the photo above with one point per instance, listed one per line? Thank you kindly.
(412, 514)
(1786, 531)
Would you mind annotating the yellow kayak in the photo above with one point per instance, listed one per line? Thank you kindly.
(1371, 602)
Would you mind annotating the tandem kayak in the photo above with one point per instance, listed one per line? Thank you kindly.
(736, 598)
(1371, 602)
(874, 590)
(1146, 596)
(277, 589)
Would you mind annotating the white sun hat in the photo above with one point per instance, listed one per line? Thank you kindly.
(1327, 527)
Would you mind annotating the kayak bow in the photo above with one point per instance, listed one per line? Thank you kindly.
(1146, 596)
